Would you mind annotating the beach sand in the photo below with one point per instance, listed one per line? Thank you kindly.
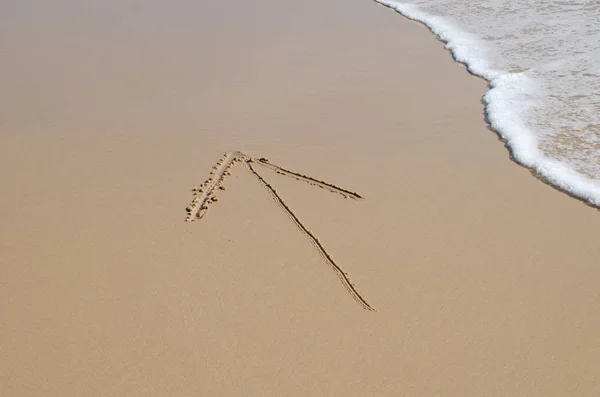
(484, 279)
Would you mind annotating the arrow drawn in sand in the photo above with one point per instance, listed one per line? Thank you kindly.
(206, 194)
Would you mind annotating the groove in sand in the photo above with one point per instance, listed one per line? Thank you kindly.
(282, 171)
(205, 195)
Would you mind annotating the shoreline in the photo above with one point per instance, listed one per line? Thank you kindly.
(547, 170)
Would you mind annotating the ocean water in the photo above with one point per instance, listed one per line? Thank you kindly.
(542, 61)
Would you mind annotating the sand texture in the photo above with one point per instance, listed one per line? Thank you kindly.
(485, 279)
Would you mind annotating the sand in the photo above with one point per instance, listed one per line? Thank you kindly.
(484, 280)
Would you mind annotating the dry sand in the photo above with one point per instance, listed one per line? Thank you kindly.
(485, 280)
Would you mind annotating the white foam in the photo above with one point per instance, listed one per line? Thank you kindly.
(542, 64)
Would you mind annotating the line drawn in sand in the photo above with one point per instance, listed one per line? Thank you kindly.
(206, 194)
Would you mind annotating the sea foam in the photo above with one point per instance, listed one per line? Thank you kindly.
(542, 61)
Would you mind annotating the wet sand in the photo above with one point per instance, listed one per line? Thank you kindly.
(484, 279)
